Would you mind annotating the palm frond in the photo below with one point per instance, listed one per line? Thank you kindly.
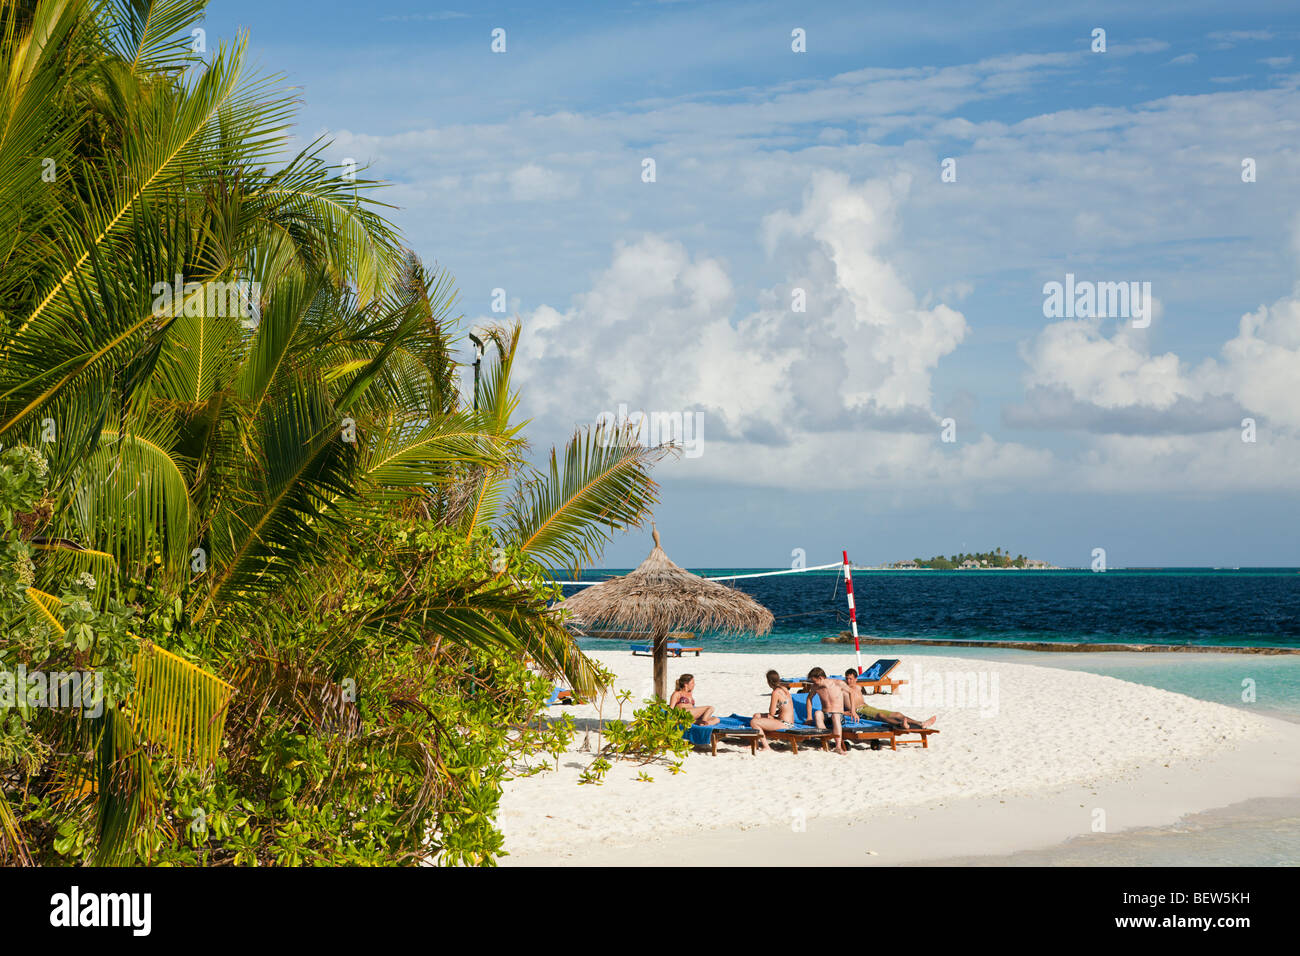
(564, 517)
(153, 35)
(134, 493)
(13, 847)
(47, 607)
(177, 705)
(497, 616)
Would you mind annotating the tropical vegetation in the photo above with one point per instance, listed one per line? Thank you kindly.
(297, 577)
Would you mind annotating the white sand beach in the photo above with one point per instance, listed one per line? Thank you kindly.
(1027, 757)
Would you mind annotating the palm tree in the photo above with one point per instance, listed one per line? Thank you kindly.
(218, 455)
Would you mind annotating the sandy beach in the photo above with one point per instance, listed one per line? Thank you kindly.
(1028, 757)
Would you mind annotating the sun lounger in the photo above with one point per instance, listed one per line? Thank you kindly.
(875, 678)
(674, 649)
(734, 727)
(561, 695)
(803, 731)
(853, 729)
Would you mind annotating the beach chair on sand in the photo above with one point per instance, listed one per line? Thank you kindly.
(877, 731)
(734, 728)
(674, 649)
(855, 730)
(804, 731)
(873, 679)
(877, 677)
(561, 695)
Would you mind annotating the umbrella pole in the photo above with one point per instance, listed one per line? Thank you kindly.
(661, 664)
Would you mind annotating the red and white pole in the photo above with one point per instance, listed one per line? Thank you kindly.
(853, 612)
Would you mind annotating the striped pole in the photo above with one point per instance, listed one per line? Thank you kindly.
(853, 612)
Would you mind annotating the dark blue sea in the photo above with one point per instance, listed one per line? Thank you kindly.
(1255, 606)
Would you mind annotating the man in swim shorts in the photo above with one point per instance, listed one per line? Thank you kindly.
(856, 702)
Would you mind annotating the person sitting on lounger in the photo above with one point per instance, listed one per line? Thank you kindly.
(780, 711)
(682, 698)
(833, 694)
(857, 703)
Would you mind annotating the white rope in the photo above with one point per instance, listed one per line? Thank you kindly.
(731, 577)
(765, 574)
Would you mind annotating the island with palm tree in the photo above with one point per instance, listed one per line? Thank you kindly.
(994, 560)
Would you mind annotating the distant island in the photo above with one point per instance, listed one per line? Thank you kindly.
(997, 559)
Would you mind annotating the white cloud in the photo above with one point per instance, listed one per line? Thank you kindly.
(830, 396)
(1259, 367)
(1113, 384)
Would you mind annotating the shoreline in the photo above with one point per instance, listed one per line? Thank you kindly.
(1026, 779)
(1064, 647)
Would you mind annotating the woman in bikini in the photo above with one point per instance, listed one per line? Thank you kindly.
(780, 710)
(683, 699)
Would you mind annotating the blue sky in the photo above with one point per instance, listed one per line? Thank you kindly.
(820, 171)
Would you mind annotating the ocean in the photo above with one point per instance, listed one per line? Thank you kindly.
(1208, 606)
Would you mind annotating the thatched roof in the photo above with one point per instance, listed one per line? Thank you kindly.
(659, 596)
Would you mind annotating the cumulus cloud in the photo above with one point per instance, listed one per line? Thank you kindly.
(1073, 366)
(1162, 423)
(828, 381)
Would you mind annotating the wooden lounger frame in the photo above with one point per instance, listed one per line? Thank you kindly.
(891, 735)
(875, 737)
(747, 736)
(878, 686)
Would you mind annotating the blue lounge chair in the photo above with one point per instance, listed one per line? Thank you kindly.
(674, 649)
(734, 727)
(876, 677)
(561, 695)
(853, 728)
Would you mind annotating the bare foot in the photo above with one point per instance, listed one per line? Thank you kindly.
(928, 722)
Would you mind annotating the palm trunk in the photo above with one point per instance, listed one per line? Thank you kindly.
(661, 664)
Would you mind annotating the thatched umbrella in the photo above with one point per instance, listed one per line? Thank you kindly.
(660, 597)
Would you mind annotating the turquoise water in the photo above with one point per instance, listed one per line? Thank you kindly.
(1262, 832)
